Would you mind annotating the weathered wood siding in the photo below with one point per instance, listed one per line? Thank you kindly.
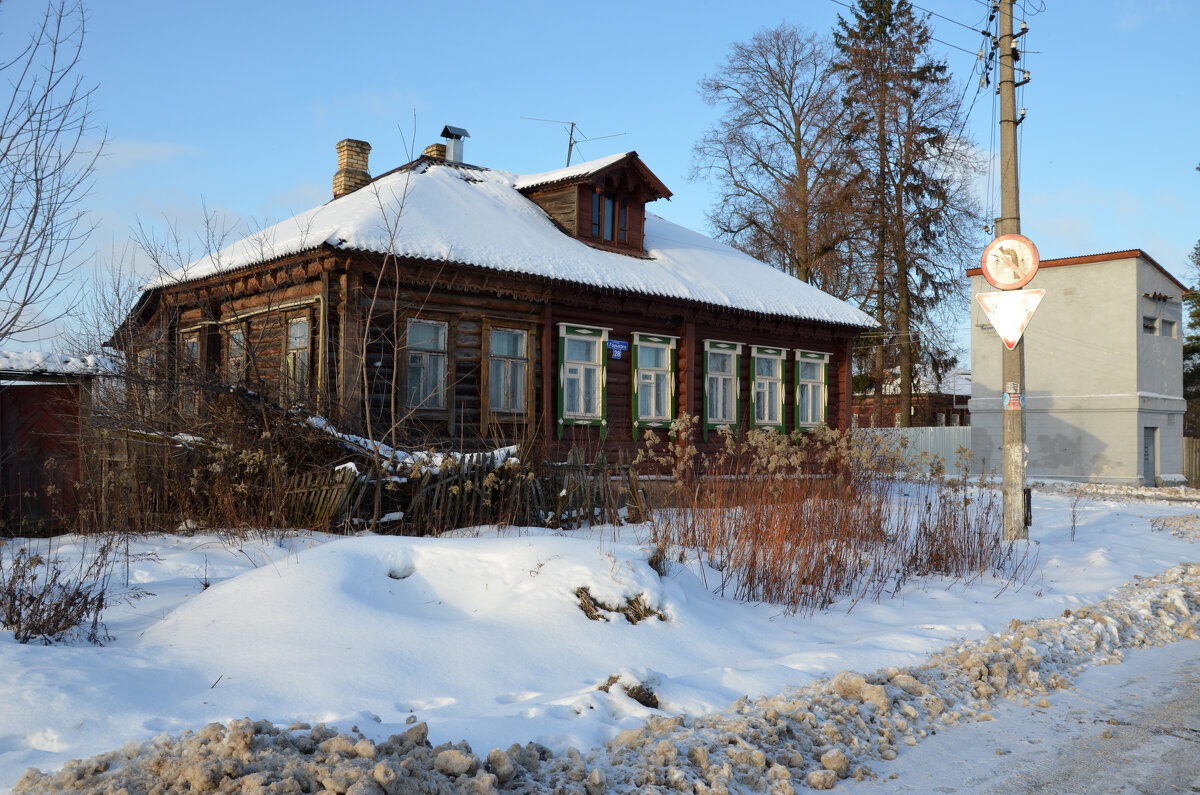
(358, 321)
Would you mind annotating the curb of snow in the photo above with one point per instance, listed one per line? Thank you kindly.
(831, 730)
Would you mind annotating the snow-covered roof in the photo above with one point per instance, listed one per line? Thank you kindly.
(585, 169)
(41, 362)
(444, 212)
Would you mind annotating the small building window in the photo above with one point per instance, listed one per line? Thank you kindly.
(581, 381)
(191, 350)
(295, 361)
(654, 382)
(507, 366)
(582, 378)
(768, 386)
(425, 365)
(1149, 325)
(721, 365)
(1166, 328)
(235, 356)
(610, 217)
(810, 388)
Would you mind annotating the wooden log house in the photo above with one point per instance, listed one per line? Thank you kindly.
(466, 307)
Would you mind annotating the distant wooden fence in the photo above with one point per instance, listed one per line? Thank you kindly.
(942, 441)
(1191, 461)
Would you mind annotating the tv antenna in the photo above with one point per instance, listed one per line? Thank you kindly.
(571, 140)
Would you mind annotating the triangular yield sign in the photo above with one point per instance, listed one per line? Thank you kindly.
(1010, 312)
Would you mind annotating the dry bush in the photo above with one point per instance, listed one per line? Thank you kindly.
(804, 520)
(229, 464)
(44, 598)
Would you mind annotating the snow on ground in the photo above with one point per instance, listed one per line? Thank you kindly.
(483, 639)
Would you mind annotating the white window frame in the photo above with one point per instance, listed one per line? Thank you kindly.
(760, 397)
(657, 382)
(715, 383)
(811, 393)
(430, 362)
(573, 374)
(507, 364)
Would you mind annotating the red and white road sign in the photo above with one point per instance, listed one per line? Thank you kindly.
(1009, 262)
(1010, 312)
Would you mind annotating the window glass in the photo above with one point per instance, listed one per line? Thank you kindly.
(654, 382)
(295, 361)
(191, 347)
(237, 355)
(768, 393)
(722, 388)
(581, 378)
(595, 215)
(427, 336)
(579, 350)
(506, 373)
(425, 370)
(810, 392)
(609, 216)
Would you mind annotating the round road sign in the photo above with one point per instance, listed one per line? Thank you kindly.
(1009, 262)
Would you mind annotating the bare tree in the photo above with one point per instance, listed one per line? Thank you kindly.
(779, 155)
(46, 164)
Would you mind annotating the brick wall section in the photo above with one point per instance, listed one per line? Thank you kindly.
(352, 171)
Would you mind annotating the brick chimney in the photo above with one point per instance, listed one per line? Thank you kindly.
(435, 150)
(352, 171)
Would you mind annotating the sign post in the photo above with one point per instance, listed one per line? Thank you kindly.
(1009, 263)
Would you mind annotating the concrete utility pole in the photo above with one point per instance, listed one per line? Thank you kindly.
(1009, 223)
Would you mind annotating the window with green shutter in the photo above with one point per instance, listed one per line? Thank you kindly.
(722, 363)
(582, 377)
(811, 392)
(766, 398)
(653, 366)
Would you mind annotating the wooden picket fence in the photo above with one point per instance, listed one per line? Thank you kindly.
(1191, 461)
(320, 497)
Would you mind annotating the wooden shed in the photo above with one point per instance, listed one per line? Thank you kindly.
(44, 400)
(452, 305)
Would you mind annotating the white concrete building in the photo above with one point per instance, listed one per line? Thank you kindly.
(1103, 372)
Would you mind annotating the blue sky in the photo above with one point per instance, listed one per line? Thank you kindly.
(237, 106)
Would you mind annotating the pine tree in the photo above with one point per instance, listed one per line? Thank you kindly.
(1191, 351)
(915, 167)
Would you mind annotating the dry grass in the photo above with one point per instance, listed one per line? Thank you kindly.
(806, 520)
(43, 598)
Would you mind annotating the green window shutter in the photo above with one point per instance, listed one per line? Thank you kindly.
(603, 388)
(825, 393)
(562, 377)
(633, 386)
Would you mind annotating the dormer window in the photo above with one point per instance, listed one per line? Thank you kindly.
(610, 217)
(601, 203)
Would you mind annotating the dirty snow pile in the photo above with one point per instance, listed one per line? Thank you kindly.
(829, 730)
(376, 664)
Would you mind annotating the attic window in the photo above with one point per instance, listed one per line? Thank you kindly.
(610, 217)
